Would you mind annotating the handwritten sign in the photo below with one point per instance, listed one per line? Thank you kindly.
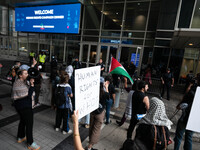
(193, 123)
(87, 82)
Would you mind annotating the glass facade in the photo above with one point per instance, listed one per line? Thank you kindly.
(116, 28)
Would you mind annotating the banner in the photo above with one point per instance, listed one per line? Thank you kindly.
(87, 84)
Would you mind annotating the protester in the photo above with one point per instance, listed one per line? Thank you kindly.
(140, 104)
(147, 76)
(70, 70)
(77, 139)
(128, 110)
(167, 82)
(189, 80)
(63, 111)
(31, 56)
(182, 122)
(22, 94)
(97, 116)
(152, 131)
(111, 101)
(11, 75)
(102, 66)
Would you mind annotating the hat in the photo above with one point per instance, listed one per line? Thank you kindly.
(24, 67)
(101, 80)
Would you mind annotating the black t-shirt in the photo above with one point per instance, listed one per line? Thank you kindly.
(138, 107)
(102, 66)
(167, 77)
(111, 90)
(76, 64)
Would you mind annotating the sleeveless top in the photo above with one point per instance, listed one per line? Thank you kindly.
(138, 107)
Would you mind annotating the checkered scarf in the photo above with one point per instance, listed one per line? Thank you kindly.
(156, 114)
(20, 89)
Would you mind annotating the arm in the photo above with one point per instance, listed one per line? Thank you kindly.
(77, 139)
(146, 102)
(113, 98)
(162, 80)
(172, 82)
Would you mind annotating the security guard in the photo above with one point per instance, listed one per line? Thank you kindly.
(31, 56)
(42, 58)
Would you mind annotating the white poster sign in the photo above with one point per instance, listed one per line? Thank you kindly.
(87, 82)
(193, 123)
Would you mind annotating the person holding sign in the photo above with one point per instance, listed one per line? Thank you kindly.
(97, 116)
(182, 122)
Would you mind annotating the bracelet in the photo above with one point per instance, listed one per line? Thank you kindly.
(76, 134)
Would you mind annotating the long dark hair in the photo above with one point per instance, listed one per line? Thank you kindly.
(101, 91)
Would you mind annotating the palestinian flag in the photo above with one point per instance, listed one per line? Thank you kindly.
(117, 68)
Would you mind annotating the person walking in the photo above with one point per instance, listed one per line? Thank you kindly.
(167, 82)
(22, 94)
(182, 122)
(63, 111)
(140, 104)
(97, 116)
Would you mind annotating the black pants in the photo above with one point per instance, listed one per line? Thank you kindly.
(168, 87)
(25, 127)
(131, 127)
(62, 115)
(37, 92)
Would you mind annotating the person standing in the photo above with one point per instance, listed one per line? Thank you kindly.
(102, 66)
(76, 64)
(63, 111)
(167, 82)
(140, 104)
(42, 59)
(111, 101)
(31, 56)
(182, 122)
(97, 116)
(22, 94)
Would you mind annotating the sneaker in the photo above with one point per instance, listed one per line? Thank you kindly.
(108, 122)
(69, 132)
(64, 132)
(33, 146)
(19, 140)
(87, 126)
(57, 129)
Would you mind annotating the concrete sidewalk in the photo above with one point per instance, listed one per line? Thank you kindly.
(112, 136)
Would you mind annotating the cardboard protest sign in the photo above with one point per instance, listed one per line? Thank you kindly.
(193, 123)
(87, 82)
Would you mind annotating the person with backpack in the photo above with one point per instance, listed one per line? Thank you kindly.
(182, 122)
(63, 92)
(97, 116)
(152, 131)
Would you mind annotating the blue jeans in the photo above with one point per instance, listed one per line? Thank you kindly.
(108, 107)
(180, 129)
(87, 119)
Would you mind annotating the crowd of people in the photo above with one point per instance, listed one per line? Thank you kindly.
(149, 125)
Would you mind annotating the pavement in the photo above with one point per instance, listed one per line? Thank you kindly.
(112, 136)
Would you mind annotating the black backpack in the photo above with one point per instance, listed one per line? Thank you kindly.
(152, 136)
(60, 97)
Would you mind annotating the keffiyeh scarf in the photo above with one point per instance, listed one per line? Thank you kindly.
(156, 114)
(20, 89)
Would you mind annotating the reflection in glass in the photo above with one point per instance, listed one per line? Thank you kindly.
(196, 19)
(136, 16)
(112, 16)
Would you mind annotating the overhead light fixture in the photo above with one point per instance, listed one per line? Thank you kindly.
(190, 44)
(117, 13)
(138, 3)
(115, 20)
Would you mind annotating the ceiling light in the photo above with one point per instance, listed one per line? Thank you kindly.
(138, 3)
(190, 44)
(117, 13)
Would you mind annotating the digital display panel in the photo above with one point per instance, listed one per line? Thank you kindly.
(52, 19)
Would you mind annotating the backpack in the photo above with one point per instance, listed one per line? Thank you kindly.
(152, 136)
(60, 97)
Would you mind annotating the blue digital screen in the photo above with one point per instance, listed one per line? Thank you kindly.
(53, 19)
(135, 59)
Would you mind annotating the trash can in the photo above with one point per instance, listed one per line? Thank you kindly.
(117, 97)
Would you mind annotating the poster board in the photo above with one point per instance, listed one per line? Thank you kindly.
(87, 84)
(193, 123)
